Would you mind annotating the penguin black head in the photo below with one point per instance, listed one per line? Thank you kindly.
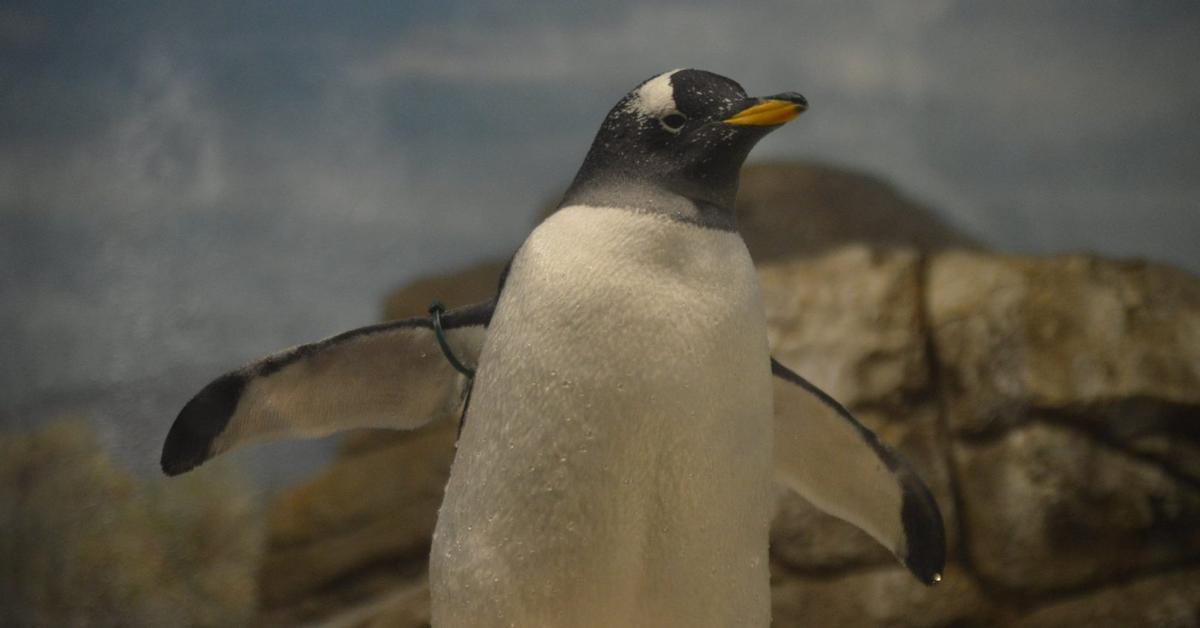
(683, 133)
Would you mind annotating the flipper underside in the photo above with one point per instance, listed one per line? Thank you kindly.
(390, 375)
(823, 453)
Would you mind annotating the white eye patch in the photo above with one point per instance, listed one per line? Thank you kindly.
(655, 98)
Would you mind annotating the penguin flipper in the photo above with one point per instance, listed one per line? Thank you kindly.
(823, 453)
(390, 375)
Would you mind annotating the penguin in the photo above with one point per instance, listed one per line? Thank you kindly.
(626, 421)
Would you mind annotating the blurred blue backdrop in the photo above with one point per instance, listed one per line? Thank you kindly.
(186, 186)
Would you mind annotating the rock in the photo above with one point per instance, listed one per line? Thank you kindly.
(881, 597)
(409, 608)
(405, 605)
(367, 513)
(1051, 508)
(1114, 344)
(358, 600)
(84, 542)
(1165, 601)
(803, 209)
(470, 285)
(850, 322)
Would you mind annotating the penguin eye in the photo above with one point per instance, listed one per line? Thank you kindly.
(673, 121)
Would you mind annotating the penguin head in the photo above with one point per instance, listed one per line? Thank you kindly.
(686, 132)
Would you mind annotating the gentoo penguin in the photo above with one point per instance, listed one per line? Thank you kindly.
(625, 419)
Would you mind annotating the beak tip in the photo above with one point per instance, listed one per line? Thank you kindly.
(796, 99)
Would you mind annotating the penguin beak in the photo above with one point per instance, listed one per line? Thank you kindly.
(770, 111)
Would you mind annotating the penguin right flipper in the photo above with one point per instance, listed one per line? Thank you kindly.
(823, 453)
(390, 375)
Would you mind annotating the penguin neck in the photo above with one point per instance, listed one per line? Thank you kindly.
(711, 211)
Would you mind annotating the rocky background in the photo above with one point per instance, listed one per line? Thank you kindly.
(1052, 404)
(84, 542)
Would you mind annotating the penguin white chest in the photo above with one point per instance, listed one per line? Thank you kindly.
(615, 468)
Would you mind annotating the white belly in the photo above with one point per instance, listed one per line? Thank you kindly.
(615, 468)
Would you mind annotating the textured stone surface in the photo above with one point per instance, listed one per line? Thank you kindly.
(358, 599)
(1112, 343)
(469, 285)
(1049, 507)
(880, 597)
(850, 322)
(405, 605)
(373, 509)
(409, 608)
(1165, 601)
(793, 209)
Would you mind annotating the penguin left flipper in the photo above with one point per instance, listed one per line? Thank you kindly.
(823, 453)
(390, 375)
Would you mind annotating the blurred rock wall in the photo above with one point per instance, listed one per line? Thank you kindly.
(83, 542)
